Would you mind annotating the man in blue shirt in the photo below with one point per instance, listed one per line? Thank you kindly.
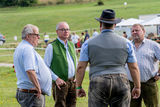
(107, 54)
(148, 57)
(33, 76)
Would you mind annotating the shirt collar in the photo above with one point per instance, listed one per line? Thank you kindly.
(26, 42)
(142, 41)
(107, 30)
(62, 41)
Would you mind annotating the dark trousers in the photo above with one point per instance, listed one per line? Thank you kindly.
(109, 90)
(66, 97)
(30, 99)
(149, 94)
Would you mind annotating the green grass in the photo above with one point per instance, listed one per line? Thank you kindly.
(6, 56)
(8, 90)
(79, 16)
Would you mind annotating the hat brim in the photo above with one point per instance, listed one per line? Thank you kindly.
(115, 21)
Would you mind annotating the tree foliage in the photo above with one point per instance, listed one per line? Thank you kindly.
(18, 2)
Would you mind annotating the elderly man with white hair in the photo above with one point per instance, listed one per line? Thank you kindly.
(33, 76)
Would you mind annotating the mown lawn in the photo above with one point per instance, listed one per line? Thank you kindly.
(8, 90)
(79, 16)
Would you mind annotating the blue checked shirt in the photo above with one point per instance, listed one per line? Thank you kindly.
(148, 56)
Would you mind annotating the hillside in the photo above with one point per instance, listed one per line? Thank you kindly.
(79, 16)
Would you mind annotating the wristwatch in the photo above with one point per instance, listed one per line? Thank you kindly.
(158, 74)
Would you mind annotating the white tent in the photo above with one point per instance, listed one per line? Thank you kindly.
(130, 22)
(155, 21)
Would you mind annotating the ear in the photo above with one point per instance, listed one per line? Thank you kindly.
(57, 31)
(100, 26)
(27, 37)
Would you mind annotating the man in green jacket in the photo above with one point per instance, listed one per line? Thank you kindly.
(60, 56)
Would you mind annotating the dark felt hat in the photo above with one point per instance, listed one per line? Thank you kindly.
(108, 16)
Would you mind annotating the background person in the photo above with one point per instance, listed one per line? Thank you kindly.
(124, 34)
(148, 54)
(46, 38)
(74, 38)
(86, 35)
(95, 33)
(109, 85)
(60, 56)
(33, 76)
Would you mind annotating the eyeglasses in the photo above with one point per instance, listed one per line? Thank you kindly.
(34, 34)
(64, 30)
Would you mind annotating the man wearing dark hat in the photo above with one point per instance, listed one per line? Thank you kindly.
(107, 54)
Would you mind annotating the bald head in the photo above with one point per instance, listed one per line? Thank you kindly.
(61, 23)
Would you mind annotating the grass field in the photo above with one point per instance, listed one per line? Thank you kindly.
(8, 90)
(79, 16)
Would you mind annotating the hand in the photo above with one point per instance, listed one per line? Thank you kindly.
(80, 92)
(60, 82)
(136, 92)
(156, 78)
(38, 94)
(74, 80)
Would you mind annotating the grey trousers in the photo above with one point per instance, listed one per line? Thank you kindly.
(109, 90)
(30, 99)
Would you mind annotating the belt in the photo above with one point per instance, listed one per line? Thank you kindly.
(151, 80)
(28, 91)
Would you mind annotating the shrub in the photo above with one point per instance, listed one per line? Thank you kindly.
(18, 2)
(25, 3)
(100, 2)
(8, 2)
(60, 2)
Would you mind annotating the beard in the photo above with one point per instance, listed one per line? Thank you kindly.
(136, 37)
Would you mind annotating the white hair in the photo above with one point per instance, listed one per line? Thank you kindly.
(57, 26)
(28, 29)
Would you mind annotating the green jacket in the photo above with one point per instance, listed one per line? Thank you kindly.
(59, 64)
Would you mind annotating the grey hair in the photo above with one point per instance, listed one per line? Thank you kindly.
(57, 26)
(28, 29)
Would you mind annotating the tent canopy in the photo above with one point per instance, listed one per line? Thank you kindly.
(155, 21)
(129, 22)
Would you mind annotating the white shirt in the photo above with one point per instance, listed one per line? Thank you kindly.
(46, 37)
(74, 38)
(95, 33)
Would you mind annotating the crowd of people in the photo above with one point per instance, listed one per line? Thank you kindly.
(79, 40)
(123, 73)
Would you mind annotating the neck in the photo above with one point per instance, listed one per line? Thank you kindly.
(29, 42)
(64, 40)
(137, 43)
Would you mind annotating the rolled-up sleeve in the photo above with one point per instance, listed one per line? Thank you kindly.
(131, 55)
(84, 52)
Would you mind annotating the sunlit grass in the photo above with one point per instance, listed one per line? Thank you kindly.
(8, 90)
